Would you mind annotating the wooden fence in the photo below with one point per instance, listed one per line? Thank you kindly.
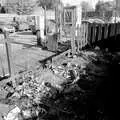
(91, 34)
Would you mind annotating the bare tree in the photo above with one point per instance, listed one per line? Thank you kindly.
(48, 4)
(104, 9)
(20, 6)
(85, 8)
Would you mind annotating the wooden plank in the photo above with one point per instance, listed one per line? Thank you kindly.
(2, 67)
(73, 46)
(82, 35)
(110, 35)
(89, 34)
(86, 34)
(106, 31)
(117, 29)
(61, 55)
(78, 38)
(100, 32)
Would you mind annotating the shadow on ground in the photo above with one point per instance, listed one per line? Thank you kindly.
(25, 33)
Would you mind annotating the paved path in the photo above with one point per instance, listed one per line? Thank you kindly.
(24, 52)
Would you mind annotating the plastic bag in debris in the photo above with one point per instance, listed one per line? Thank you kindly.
(13, 114)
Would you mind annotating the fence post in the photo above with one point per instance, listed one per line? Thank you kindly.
(106, 31)
(73, 46)
(86, 34)
(100, 32)
(8, 52)
(83, 35)
(2, 67)
(89, 34)
(78, 38)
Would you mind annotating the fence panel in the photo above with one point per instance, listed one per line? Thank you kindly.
(106, 31)
(90, 33)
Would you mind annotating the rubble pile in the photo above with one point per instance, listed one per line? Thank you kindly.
(60, 91)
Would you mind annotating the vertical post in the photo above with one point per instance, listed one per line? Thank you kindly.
(2, 67)
(56, 19)
(8, 52)
(73, 32)
(45, 20)
(78, 25)
(78, 38)
(115, 18)
(38, 31)
(73, 46)
(82, 36)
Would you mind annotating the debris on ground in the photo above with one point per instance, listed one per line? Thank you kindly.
(56, 92)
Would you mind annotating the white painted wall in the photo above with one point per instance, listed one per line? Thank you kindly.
(79, 16)
(39, 13)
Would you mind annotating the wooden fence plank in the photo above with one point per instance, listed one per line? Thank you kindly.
(106, 31)
(9, 55)
(78, 38)
(90, 33)
(73, 45)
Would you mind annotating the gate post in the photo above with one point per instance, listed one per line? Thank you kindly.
(73, 45)
(8, 52)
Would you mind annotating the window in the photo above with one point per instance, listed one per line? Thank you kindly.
(68, 16)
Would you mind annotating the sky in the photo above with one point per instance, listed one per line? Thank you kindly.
(74, 2)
